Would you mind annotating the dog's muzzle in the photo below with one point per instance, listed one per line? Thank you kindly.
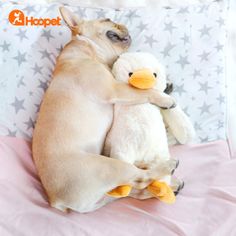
(114, 37)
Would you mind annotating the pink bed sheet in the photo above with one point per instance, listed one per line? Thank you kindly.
(206, 206)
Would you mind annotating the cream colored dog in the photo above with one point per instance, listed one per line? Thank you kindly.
(76, 114)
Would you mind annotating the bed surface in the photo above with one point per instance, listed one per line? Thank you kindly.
(206, 206)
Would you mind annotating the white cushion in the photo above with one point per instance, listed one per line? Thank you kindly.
(186, 40)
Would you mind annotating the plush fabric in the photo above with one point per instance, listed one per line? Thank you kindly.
(206, 206)
(188, 41)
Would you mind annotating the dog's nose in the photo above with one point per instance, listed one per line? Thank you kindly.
(142, 79)
(127, 39)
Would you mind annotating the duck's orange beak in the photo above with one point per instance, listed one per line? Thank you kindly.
(142, 79)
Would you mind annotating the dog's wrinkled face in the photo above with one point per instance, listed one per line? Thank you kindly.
(112, 38)
(107, 34)
(116, 33)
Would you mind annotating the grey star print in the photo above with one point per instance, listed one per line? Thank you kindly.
(197, 126)
(205, 108)
(142, 26)
(169, 27)
(132, 14)
(196, 73)
(205, 31)
(219, 70)
(204, 87)
(183, 61)
(219, 47)
(186, 111)
(203, 8)
(167, 49)
(81, 12)
(220, 124)
(60, 49)
(221, 99)
(101, 14)
(37, 69)
(37, 107)
(185, 38)
(47, 34)
(204, 56)
(150, 40)
(18, 105)
(5, 46)
(22, 34)
(221, 22)
(29, 9)
(45, 54)
(43, 85)
(21, 82)
(179, 89)
(11, 133)
(20, 58)
(29, 124)
(205, 139)
(52, 7)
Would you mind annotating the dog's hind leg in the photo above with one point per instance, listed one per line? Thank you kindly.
(176, 184)
(81, 192)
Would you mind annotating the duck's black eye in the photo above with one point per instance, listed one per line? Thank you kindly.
(130, 74)
(155, 75)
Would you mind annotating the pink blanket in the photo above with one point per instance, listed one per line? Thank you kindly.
(206, 206)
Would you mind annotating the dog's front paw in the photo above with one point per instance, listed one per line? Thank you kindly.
(164, 168)
(169, 104)
(163, 100)
(179, 188)
(171, 165)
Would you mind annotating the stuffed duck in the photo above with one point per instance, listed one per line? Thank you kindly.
(138, 133)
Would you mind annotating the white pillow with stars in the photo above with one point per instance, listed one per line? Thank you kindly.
(189, 41)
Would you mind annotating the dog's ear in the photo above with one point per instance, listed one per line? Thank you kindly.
(71, 20)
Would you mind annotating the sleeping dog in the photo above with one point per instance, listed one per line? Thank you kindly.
(76, 114)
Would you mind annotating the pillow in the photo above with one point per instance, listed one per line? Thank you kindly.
(189, 41)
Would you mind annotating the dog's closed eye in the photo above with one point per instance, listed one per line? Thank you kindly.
(113, 36)
(106, 20)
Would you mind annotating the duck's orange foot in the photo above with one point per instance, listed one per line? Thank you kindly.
(120, 191)
(162, 191)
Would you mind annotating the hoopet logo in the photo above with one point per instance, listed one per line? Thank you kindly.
(18, 18)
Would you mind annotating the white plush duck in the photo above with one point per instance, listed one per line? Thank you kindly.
(138, 133)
